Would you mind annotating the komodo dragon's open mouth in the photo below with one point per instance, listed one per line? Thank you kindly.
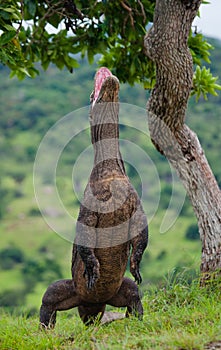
(100, 76)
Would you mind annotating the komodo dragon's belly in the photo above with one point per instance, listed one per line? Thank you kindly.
(113, 262)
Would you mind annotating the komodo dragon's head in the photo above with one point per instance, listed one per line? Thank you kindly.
(106, 87)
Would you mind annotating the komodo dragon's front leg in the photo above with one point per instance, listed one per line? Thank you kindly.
(139, 239)
(86, 241)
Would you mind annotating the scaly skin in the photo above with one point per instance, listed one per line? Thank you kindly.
(111, 227)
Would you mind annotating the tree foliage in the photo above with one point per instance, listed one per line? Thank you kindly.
(51, 31)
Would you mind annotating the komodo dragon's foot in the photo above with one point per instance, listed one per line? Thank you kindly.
(47, 318)
(128, 296)
(136, 274)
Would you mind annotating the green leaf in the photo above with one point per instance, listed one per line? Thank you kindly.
(31, 7)
(45, 65)
(8, 27)
(60, 63)
(90, 55)
(9, 9)
(33, 72)
(71, 62)
(10, 13)
(199, 48)
(6, 37)
(204, 83)
(25, 71)
(132, 68)
(55, 20)
(5, 15)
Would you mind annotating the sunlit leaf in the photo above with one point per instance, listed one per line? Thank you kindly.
(204, 83)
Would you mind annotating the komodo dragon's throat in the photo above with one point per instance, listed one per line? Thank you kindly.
(111, 226)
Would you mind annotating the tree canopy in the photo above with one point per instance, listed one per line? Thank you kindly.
(51, 31)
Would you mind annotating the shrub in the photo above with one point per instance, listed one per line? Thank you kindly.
(161, 255)
(40, 269)
(192, 233)
(34, 212)
(11, 256)
(12, 298)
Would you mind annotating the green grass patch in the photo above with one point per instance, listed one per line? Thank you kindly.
(178, 316)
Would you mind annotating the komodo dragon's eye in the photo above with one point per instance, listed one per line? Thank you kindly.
(100, 76)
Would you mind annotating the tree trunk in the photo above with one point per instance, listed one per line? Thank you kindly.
(166, 45)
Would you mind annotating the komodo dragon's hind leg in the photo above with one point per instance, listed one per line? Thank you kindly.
(91, 313)
(59, 296)
(128, 296)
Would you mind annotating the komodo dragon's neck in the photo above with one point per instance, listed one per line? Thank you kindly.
(104, 126)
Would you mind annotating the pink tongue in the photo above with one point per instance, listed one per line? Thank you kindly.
(100, 76)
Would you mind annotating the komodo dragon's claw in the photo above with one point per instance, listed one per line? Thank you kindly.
(92, 275)
(136, 275)
(138, 278)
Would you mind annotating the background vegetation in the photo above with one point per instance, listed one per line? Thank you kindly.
(31, 254)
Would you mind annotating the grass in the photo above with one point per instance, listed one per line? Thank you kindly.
(178, 316)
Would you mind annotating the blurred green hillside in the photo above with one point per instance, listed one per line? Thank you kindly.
(31, 254)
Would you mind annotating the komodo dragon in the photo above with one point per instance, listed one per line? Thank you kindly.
(111, 225)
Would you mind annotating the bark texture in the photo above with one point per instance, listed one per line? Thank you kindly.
(166, 45)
